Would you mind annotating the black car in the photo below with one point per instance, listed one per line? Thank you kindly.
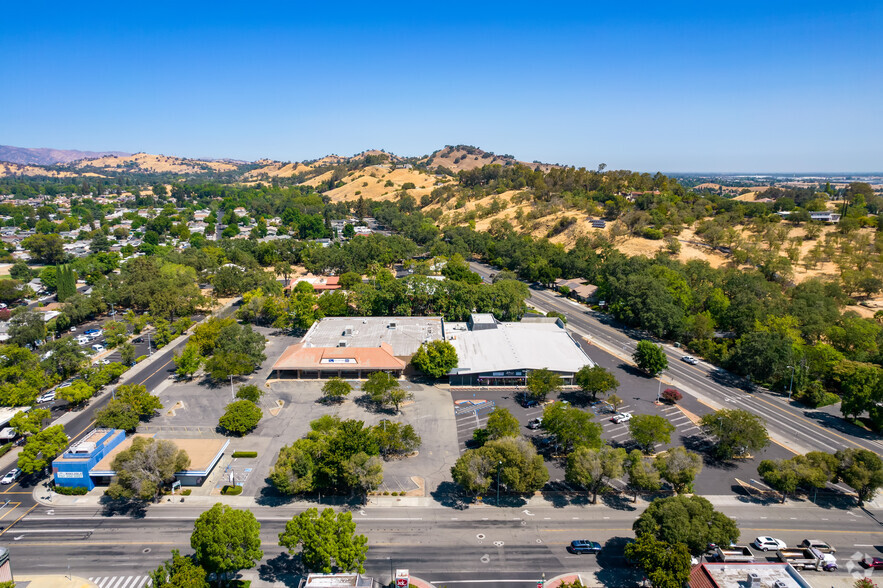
(584, 546)
(527, 402)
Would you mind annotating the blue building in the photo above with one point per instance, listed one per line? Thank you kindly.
(72, 468)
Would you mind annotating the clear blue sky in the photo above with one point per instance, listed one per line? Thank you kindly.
(776, 85)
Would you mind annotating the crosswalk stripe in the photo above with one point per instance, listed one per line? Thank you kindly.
(127, 582)
(121, 581)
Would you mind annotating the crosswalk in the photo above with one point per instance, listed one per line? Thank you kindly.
(121, 581)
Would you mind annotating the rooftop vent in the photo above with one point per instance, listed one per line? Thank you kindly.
(392, 325)
(348, 331)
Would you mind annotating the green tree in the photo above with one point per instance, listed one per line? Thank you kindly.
(47, 249)
(363, 473)
(384, 389)
(762, 356)
(63, 356)
(26, 327)
(118, 415)
(642, 475)
(127, 354)
(542, 382)
(520, 468)
(295, 468)
(595, 380)
(146, 468)
(250, 392)
(188, 361)
(395, 438)
(738, 432)
(77, 392)
(40, 449)
(336, 389)
(860, 386)
(650, 358)
(861, 470)
(29, 423)
(787, 475)
(21, 272)
(594, 468)
(223, 365)
(327, 541)
(501, 423)
(649, 430)
(571, 427)
(435, 358)
(115, 333)
(177, 572)
(679, 467)
(226, 540)
(240, 417)
(667, 565)
(690, 520)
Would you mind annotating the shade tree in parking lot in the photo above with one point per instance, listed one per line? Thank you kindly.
(813, 470)
(77, 392)
(41, 448)
(641, 474)
(515, 460)
(500, 423)
(571, 427)
(738, 432)
(667, 565)
(115, 332)
(146, 468)
(250, 392)
(395, 438)
(98, 376)
(596, 380)
(29, 423)
(861, 470)
(679, 467)
(328, 541)
(648, 430)
(226, 540)
(691, 520)
(63, 356)
(364, 473)
(131, 404)
(615, 402)
(240, 417)
(383, 389)
(336, 389)
(594, 468)
(542, 382)
(435, 358)
(650, 358)
(127, 354)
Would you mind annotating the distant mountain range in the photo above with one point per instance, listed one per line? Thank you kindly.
(44, 156)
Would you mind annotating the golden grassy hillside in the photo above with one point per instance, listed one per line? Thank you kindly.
(13, 169)
(146, 162)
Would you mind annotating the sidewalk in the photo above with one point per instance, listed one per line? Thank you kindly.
(52, 581)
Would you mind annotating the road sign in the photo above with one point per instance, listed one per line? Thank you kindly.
(402, 579)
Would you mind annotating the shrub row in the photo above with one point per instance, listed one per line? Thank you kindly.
(245, 454)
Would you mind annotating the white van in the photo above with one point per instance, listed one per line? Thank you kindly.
(98, 348)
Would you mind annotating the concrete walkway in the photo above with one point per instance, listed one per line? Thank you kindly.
(52, 581)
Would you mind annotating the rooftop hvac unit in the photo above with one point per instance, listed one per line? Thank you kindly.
(753, 580)
(780, 584)
(348, 331)
(341, 343)
(392, 325)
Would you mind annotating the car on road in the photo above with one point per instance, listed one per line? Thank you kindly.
(875, 563)
(46, 397)
(769, 544)
(621, 417)
(817, 545)
(584, 546)
(535, 423)
(11, 476)
(690, 359)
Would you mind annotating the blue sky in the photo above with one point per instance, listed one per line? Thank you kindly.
(671, 86)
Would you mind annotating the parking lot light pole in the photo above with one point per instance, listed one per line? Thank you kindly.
(791, 384)
(149, 346)
(233, 396)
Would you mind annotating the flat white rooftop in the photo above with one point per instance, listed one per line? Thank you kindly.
(514, 346)
(404, 334)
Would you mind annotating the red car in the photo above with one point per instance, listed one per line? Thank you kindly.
(875, 563)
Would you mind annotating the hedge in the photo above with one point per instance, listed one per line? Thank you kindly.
(245, 454)
(4, 449)
(71, 490)
(231, 490)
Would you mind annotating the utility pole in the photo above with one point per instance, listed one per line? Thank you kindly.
(232, 395)
(499, 467)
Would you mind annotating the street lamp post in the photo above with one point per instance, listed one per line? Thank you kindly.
(149, 346)
(791, 384)
(499, 467)
(233, 396)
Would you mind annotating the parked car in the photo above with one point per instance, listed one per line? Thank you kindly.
(875, 563)
(98, 348)
(11, 476)
(816, 544)
(769, 544)
(621, 417)
(92, 332)
(104, 361)
(46, 397)
(690, 359)
(528, 402)
(584, 546)
(535, 423)
(73, 329)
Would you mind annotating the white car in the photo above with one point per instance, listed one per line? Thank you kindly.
(73, 329)
(47, 397)
(769, 544)
(621, 417)
(11, 476)
(98, 348)
(690, 359)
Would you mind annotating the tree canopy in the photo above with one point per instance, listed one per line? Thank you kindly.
(327, 540)
(691, 520)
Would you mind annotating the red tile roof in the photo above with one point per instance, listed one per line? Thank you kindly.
(298, 357)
